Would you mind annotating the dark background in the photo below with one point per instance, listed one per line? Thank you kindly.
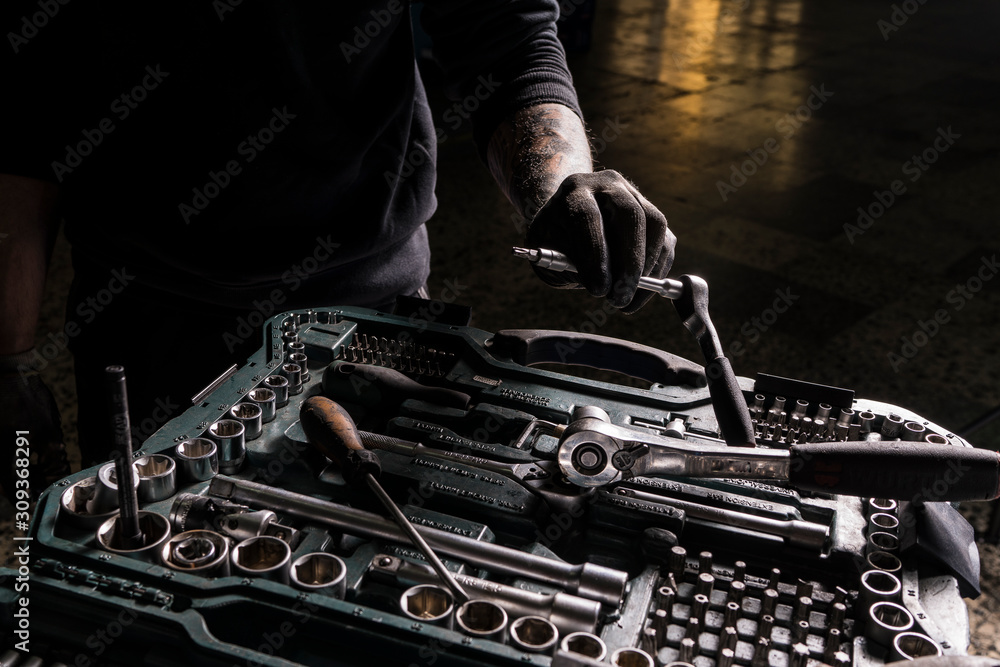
(677, 92)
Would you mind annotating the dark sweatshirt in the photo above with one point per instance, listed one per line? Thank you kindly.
(222, 150)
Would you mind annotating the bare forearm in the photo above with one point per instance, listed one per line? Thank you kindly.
(531, 153)
(27, 228)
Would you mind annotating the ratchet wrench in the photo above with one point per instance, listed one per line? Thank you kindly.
(690, 298)
(594, 452)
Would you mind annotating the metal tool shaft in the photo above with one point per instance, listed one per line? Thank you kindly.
(130, 534)
(795, 532)
(569, 613)
(594, 582)
(417, 539)
(553, 260)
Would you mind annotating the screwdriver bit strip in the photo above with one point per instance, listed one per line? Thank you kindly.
(654, 569)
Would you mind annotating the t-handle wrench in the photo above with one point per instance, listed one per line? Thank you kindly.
(690, 297)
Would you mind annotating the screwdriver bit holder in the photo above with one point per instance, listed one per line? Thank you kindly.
(646, 570)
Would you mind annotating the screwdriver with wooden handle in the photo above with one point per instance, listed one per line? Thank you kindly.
(332, 430)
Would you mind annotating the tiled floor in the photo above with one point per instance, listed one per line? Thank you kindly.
(680, 91)
(684, 92)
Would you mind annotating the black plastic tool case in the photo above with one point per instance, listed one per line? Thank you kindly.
(90, 606)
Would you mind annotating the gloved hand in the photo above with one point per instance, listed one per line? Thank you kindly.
(611, 233)
(26, 404)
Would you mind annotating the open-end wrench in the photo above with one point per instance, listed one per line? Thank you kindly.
(690, 298)
(594, 452)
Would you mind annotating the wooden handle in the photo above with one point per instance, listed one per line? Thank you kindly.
(332, 431)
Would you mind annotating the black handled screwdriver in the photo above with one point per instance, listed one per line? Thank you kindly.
(332, 430)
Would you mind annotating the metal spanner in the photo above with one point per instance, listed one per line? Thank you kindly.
(594, 452)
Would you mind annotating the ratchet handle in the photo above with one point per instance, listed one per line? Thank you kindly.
(898, 470)
(727, 400)
(332, 431)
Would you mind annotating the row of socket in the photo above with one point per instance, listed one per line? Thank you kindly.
(778, 425)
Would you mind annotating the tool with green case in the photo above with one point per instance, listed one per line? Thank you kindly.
(293, 514)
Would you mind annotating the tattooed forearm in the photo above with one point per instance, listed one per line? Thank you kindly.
(533, 151)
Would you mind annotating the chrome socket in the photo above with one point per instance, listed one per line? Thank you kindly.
(913, 645)
(632, 657)
(430, 604)
(533, 634)
(867, 420)
(882, 522)
(585, 644)
(293, 373)
(265, 398)
(886, 620)
(320, 572)
(75, 501)
(251, 416)
(892, 425)
(198, 459)
(880, 506)
(882, 542)
(229, 438)
(913, 432)
(157, 477)
(302, 361)
(242, 527)
(279, 385)
(203, 552)
(105, 498)
(155, 531)
(483, 619)
(265, 557)
(877, 586)
(881, 560)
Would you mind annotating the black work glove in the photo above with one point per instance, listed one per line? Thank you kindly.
(26, 404)
(610, 232)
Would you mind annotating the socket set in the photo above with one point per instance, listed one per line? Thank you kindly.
(573, 521)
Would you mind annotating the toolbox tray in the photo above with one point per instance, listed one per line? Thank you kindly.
(92, 606)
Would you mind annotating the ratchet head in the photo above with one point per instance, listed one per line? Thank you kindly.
(589, 453)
